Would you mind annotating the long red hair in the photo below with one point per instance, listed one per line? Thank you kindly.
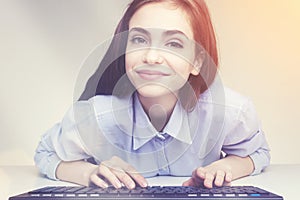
(112, 67)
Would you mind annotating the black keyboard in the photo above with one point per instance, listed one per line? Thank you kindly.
(151, 192)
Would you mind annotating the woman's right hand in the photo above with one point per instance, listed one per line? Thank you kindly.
(117, 172)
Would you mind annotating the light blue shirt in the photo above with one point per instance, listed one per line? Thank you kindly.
(106, 126)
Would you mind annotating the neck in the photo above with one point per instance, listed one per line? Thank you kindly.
(159, 109)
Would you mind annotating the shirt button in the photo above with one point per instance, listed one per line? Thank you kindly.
(160, 136)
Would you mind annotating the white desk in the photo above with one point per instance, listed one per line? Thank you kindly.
(280, 179)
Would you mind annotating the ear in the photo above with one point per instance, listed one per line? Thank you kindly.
(197, 66)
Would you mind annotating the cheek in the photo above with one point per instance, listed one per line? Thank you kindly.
(127, 63)
(131, 60)
(181, 67)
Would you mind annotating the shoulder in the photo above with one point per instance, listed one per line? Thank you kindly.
(108, 103)
(239, 103)
(224, 96)
(235, 100)
(232, 104)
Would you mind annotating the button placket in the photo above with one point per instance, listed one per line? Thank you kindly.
(162, 159)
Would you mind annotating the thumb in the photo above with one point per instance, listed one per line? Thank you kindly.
(188, 182)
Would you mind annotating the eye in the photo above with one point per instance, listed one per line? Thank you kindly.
(138, 40)
(174, 44)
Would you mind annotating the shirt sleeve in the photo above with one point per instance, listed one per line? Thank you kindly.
(246, 138)
(61, 143)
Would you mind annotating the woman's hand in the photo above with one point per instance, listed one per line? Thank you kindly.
(116, 172)
(221, 172)
(213, 174)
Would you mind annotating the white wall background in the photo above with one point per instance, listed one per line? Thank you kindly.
(44, 42)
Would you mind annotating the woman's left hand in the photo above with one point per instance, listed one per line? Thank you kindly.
(218, 174)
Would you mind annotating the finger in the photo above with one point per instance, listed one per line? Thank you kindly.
(189, 182)
(133, 173)
(198, 177)
(208, 181)
(136, 176)
(124, 178)
(219, 178)
(200, 172)
(228, 177)
(109, 175)
(95, 179)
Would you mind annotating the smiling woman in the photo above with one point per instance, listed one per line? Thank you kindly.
(156, 106)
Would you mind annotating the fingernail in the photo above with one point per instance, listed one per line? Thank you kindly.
(105, 185)
(131, 185)
(144, 184)
(118, 184)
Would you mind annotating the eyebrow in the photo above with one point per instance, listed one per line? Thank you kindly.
(166, 33)
(175, 32)
(141, 30)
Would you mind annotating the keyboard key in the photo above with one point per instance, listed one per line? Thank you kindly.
(204, 195)
(230, 195)
(255, 195)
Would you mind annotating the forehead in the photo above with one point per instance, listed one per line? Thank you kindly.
(162, 16)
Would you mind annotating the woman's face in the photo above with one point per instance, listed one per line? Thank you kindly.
(160, 50)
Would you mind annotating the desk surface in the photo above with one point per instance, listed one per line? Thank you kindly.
(279, 179)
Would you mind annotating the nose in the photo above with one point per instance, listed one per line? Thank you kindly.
(152, 56)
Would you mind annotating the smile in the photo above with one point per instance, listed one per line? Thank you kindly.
(151, 74)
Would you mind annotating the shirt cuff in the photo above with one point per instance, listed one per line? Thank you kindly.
(54, 161)
(260, 161)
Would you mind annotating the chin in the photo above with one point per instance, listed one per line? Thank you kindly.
(154, 91)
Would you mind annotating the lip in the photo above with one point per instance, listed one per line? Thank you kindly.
(151, 74)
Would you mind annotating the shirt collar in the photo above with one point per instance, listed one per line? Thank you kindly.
(178, 125)
(143, 131)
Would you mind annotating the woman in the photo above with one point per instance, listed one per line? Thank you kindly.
(156, 106)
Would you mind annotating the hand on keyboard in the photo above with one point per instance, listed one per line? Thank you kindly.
(117, 172)
(214, 174)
